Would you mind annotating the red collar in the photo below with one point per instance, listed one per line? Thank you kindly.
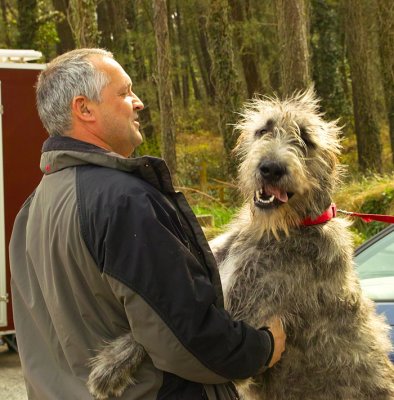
(330, 213)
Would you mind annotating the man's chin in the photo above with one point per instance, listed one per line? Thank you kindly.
(137, 139)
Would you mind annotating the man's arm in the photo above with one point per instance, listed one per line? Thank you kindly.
(166, 292)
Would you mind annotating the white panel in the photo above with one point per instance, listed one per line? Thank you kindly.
(3, 293)
(13, 65)
(19, 55)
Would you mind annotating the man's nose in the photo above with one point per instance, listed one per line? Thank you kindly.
(137, 103)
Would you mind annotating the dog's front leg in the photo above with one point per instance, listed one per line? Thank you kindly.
(221, 245)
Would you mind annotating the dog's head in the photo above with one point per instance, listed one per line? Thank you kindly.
(289, 163)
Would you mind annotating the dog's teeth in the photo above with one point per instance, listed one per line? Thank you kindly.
(259, 197)
(270, 200)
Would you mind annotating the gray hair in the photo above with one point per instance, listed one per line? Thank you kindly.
(69, 75)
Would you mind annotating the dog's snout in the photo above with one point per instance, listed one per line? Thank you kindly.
(272, 171)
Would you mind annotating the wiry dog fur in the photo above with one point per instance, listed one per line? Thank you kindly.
(114, 367)
(273, 265)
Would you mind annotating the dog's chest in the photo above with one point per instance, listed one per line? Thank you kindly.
(269, 277)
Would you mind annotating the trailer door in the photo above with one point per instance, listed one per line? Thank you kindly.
(3, 288)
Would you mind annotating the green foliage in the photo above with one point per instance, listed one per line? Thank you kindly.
(150, 148)
(27, 23)
(197, 125)
(228, 90)
(46, 35)
(222, 215)
(376, 204)
(31, 25)
(329, 70)
(195, 149)
(371, 195)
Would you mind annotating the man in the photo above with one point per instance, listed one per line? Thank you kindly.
(105, 245)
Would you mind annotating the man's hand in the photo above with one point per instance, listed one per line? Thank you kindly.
(276, 328)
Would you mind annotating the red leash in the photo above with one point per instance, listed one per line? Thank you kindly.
(331, 212)
(370, 217)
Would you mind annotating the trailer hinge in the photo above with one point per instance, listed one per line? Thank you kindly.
(5, 298)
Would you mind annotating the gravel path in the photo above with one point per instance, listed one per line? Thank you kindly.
(12, 386)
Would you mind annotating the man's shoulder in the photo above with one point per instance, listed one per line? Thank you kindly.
(93, 180)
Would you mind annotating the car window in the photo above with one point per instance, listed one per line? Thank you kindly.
(375, 266)
(378, 259)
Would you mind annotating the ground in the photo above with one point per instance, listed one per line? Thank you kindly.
(12, 386)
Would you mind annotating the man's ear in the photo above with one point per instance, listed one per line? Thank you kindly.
(83, 108)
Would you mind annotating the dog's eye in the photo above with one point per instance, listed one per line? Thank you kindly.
(267, 128)
(261, 132)
(305, 138)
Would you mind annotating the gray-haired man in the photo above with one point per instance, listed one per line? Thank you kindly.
(105, 245)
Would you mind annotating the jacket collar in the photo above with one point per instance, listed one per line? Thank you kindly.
(64, 152)
(61, 152)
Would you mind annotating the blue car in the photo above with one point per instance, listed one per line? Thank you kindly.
(375, 265)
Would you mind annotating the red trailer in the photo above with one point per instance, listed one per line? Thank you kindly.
(21, 138)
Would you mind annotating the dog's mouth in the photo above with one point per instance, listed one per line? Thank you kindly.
(271, 197)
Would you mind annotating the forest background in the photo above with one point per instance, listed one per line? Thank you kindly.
(195, 62)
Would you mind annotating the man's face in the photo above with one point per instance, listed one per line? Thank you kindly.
(117, 112)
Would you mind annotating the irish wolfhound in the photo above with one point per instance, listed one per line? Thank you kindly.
(287, 255)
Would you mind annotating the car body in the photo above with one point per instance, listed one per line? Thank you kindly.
(375, 266)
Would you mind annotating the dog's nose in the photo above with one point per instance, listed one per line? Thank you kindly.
(272, 171)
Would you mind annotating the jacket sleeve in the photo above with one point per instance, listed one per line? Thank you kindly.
(135, 239)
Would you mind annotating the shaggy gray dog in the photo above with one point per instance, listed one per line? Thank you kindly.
(285, 255)
(277, 260)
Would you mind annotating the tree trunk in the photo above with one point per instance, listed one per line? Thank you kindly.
(224, 76)
(141, 73)
(186, 32)
(203, 56)
(104, 24)
(386, 41)
(27, 23)
(367, 131)
(249, 63)
(293, 41)
(82, 15)
(184, 48)
(112, 24)
(176, 84)
(66, 41)
(164, 80)
(196, 87)
(326, 55)
(5, 23)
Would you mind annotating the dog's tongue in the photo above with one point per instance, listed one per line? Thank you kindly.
(279, 194)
